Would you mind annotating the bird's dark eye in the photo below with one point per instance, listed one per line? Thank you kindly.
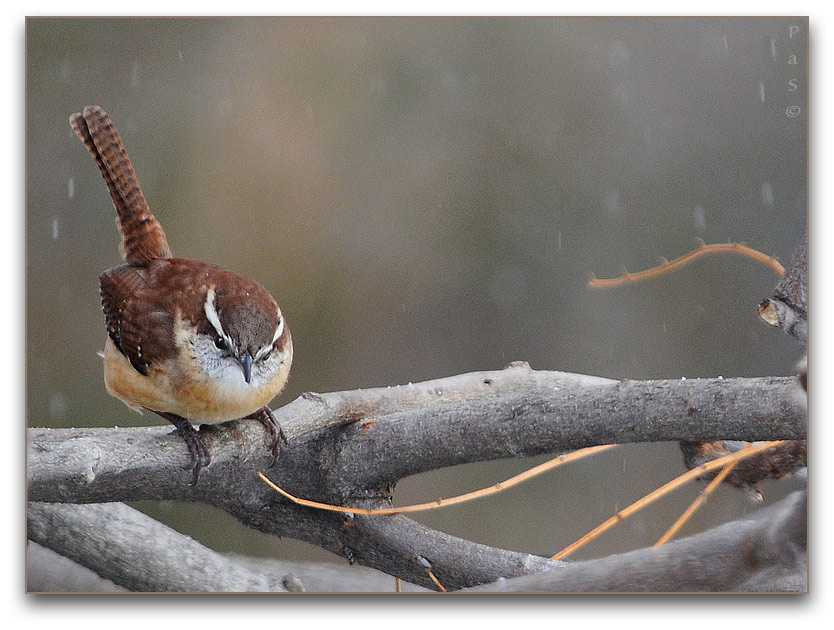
(266, 355)
(220, 343)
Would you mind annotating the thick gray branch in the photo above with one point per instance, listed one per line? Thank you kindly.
(136, 552)
(349, 447)
(106, 536)
(339, 449)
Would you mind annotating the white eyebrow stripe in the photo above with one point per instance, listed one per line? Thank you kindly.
(280, 329)
(278, 332)
(211, 312)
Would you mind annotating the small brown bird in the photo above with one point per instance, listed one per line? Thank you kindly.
(186, 339)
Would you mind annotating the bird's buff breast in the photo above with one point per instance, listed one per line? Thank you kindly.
(182, 391)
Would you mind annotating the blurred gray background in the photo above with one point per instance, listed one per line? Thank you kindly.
(429, 196)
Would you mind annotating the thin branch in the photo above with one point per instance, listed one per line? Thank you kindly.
(697, 503)
(667, 266)
(445, 502)
(658, 492)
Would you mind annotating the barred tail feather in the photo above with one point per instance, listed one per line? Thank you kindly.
(143, 239)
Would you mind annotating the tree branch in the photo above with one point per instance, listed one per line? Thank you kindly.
(350, 447)
(136, 552)
(339, 449)
(140, 554)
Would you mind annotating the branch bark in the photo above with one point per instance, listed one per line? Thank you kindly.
(136, 552)
(340, 450)
(143, 555)
(351, 447)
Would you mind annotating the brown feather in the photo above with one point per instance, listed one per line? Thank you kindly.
(143, 239)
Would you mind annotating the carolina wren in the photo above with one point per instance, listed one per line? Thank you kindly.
(185, 339)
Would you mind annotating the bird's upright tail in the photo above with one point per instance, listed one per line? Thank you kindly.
(143, 239)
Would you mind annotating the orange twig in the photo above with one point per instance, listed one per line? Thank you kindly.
(665, 267)
(502, 485)
(698, 502)
(738, 248)
(744, 453)
(435, 580)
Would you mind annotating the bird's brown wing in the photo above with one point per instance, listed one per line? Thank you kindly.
(141, 327)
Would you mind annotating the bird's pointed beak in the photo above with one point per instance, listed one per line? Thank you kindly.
(246, 365)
